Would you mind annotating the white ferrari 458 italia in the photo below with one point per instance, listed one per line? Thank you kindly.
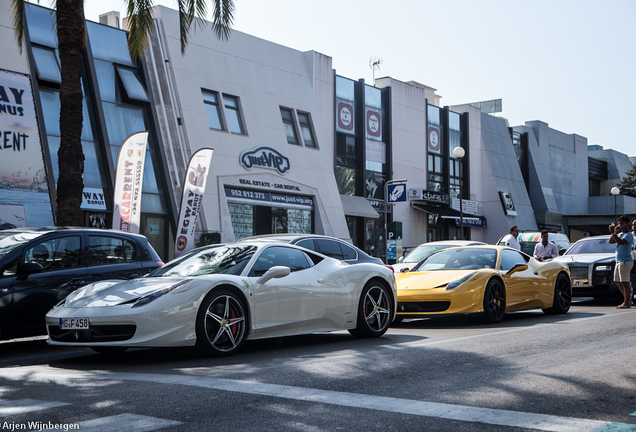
(217, 297)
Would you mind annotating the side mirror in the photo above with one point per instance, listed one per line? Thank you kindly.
(404, 270)
(274, 272)
(27, 269)
(517, 268)
(562, 251)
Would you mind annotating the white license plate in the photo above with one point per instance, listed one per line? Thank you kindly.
(579, 282)
(73, 323)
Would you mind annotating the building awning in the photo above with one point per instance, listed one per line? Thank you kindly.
(470, 221)
(358, 206)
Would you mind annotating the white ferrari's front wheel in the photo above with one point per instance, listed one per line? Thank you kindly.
(221, 324)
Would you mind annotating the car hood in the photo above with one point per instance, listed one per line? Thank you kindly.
(115, 292)
(585, 258)
(430, 279)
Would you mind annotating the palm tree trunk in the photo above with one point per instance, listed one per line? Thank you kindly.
(70, 184)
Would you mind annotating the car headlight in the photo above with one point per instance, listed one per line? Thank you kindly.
(60, 303)
(155, 295)
(458, 282)
(606, 267)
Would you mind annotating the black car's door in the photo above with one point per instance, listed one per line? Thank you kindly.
(113, 257)
(33, 296)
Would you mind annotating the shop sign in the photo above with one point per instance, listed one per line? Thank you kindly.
(93, 199)
(468, 206)
(374, 124)
(273, 197)
(508, 203)
(264, 157)
(429, 196)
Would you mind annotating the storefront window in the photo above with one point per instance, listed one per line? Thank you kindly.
(242, 216)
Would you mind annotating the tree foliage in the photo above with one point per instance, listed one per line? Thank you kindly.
(628, 183)
(71, 30)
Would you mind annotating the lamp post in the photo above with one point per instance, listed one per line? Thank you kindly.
(386, 211)
(458, 153)
(615, 191)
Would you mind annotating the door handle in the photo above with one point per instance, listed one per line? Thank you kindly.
(321, 280)
(536, 273)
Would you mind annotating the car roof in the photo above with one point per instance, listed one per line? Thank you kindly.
(51, 230)
(455, 243)
(600, 237)
(288, 237)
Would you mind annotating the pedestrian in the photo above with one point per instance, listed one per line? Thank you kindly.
(511, 239)
(544, 250)
(624, 259)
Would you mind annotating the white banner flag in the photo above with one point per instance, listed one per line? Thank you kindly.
(193, 188)
(129, 176)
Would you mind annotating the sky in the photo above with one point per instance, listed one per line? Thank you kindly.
(568, 63)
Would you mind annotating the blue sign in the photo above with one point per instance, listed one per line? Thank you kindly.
(396, 193)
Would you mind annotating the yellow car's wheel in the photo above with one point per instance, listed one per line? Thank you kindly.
(562, 296)
(494, 301)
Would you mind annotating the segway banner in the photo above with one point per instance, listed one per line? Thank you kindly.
(193, 188)
(129, 176)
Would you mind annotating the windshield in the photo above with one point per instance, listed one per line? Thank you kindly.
(592, 246)
(215, 260)
(459, 259)
(10, 241)
(421, 252)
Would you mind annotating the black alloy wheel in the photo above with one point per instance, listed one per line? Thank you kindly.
(562, 296)
(494, 301)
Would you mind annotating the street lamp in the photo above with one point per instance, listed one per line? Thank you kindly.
(386, 210)
(615, 191)
(458, 153)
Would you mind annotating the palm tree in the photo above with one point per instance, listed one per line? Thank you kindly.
(71, 31)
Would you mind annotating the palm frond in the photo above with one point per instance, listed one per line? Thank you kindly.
(140, 23)
(223, 18)
(17, 15)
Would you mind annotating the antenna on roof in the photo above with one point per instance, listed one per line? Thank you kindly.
(374, 63)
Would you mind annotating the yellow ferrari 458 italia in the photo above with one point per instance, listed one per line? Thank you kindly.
(491, 280)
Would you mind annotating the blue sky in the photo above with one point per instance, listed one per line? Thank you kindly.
(569, 63)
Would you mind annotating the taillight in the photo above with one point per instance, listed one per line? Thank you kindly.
(389, 266)
(159, 263)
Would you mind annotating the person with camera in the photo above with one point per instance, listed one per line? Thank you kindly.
(623, 239)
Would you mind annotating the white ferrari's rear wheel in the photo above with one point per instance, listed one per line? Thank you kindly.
(374, 311)
(221, 323)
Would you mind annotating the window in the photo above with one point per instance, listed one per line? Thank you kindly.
(509, 259)
(280, 256)
(210, 100)
(110, 250)
(307, 244)
(132, 83)
(306, 129)
(289, 125)
(435, 173)
(56, 254)
(46, 64)
(233, 114)
(330, 248)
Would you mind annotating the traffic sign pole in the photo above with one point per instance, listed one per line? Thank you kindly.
(386, 207)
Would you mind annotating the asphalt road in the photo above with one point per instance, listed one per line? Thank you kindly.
(532, 371)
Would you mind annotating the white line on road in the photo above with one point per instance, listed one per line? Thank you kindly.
(122, 422)
(541, 422)
(8, 408)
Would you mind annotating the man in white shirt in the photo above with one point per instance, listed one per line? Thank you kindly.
(544, 250)
(511, 239)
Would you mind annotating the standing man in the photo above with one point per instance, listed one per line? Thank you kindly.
(624, 259)
(511, 239)
(544, 250)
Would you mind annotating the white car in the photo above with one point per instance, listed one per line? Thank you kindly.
(591, 261)
(219, 296)
(425, 249)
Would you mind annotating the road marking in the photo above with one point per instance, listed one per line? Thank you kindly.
(117, 423)
(22, 406)
(541, 422)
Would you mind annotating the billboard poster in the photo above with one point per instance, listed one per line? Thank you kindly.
(129, 175)
(24, 191)
(196, 178)
(345, 117)
(374, 124)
